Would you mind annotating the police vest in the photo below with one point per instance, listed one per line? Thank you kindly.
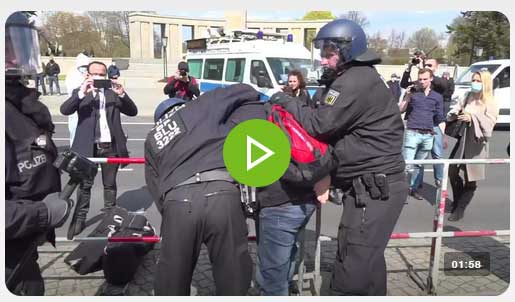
(30, 153)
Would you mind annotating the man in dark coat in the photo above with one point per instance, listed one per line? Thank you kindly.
(394, 86)
(99, 132)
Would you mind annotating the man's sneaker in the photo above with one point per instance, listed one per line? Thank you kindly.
(438, 183)
(415, 195)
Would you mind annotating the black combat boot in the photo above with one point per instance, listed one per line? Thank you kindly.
(78, 223)
(109, 198)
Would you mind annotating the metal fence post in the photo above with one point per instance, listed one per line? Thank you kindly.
(317, 278)
(436, 243)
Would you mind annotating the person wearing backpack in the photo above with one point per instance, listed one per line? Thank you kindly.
(286, 206)
(359, 118)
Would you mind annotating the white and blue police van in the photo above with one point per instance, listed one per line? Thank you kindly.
(262, 60)
(500, 70)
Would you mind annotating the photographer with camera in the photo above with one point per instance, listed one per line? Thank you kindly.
(99, 133)
(424, 108)
(182, 85)
(32, 205)
(420, 61)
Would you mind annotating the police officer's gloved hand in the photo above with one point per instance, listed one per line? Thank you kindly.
(279, 98)
(58, 209)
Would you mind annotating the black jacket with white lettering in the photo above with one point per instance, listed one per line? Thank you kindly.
(29, 170)
(189, 139)
(29, 173)
(359, 117)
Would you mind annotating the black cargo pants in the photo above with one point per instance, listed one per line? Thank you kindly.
(208, 213)
(363, 234)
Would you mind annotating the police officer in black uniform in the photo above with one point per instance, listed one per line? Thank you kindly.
(198, 200)
(359, 117)
(32, 206)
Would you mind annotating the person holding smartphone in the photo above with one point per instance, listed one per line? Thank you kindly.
(182, 85)
(98, 102)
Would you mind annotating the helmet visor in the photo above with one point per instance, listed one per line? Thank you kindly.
(22, 55)
(328, 48)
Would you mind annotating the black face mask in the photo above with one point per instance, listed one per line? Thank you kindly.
(328, 77)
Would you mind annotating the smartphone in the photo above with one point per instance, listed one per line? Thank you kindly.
(106, 84)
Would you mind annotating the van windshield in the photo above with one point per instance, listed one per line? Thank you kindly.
(282, 66)
(466, 77)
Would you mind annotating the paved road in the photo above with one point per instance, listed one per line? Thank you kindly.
(488, 210)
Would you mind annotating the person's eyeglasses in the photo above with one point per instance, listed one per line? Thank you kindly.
(428, 65)
(477, 81)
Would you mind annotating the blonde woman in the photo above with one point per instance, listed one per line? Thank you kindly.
(479, 110)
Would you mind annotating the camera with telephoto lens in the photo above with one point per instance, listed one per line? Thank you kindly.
(417, 57)
(183, 73)
(76, 165)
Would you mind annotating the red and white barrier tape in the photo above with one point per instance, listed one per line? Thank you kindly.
(156, 239)
(450, 234)
(117, 160)
(141, 160)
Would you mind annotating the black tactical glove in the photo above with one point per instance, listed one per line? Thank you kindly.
(280, 98)
(58, 209)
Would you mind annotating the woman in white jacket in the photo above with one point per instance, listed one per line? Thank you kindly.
(74, 79)
(479, 110)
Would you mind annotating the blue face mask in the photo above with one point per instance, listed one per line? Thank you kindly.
(476, 87)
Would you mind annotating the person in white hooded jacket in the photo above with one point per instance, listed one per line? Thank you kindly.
(74, 79)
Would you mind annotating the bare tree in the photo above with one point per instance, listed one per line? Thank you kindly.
(424, 39)
(392, 39)
(113, 27)
(357, 17)
(400, 39)
(396, 39)
(378, 43)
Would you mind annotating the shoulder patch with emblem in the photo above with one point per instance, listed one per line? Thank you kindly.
(331, 97)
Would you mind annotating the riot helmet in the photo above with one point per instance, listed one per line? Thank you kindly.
(346, 38)
(166, 106)
(22, 56)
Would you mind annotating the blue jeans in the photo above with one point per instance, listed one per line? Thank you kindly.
(436, 153)
(277, 247)
(416, 146)
(54, 80)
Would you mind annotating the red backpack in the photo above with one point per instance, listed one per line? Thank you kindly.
(311, 159)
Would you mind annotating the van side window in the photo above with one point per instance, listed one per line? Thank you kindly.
(234, 70)
(256, 67)
(504, 78)
(214, 69)
(195, 67)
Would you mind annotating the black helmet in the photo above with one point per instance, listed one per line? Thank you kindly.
(22, 55)
(348, 38)
(165, 106)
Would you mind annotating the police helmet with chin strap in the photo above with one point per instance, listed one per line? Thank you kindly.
(165, 106)
(348, 39)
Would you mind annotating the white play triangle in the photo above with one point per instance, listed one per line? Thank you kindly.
(251, 164)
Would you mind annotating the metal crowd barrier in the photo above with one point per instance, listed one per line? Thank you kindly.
(437, 234)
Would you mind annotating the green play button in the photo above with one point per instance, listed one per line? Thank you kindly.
(256, 153)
